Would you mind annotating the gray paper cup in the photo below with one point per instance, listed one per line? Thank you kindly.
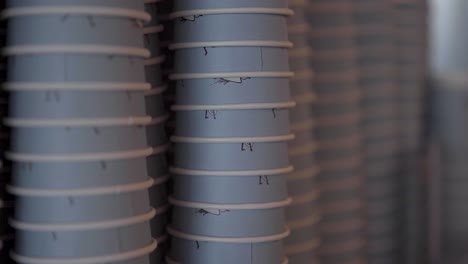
(62, 140)
(75, 244)
(194, 252)
(73, 209)
(138, 4)
(68, 104)
(74, 30)
(229, 27)
(239, 90)
(231, 156)
(155, 10)
(228, 223)
(233, 123)
(211, 189)
(230, 59)
(184, 5)
(76, 68)
(75, 175)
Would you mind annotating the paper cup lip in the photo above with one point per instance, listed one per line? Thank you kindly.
(75, 86)
(190, 76)
(90, 260)
(210, 206)
(224, 11)
(84, 226)
(305, 222)
(247, 173)
(303, 247)
(240, 240)
(231, 140)
(306, 198)
(240, 43)
(251, 106)
(304, 174)
(153, 29)
(154, 60)
(103, 11)
(82, 157)
(23, 50)
(83, 192)
(306, 149)
(83, 122)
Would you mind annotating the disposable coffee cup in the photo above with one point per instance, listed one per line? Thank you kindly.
(77, 175)
(186, 5)
(155, 9)
(209, 187)
(222, 59)
(76, 29)
(71, 209)
(240, 90)
(242, 155)
(198, 251)
(216, 220)
(76, 140)
(121, 68)
(270, 120)
(50, 104)
(200, 26)
(82, 244)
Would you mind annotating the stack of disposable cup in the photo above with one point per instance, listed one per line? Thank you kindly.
(410, 18)
(79, 132)
(232, 130)
(303, 214)
(156, 131)
(449, 109)
(338, 118)
(380, 128)
(6, 234)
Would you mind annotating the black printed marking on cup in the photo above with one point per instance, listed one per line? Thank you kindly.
(216, 212)
(211, 114)
(205, 49)
(65, 18)
(273, 110)
(91, 21)
(193, 18)
(96, 131)
(225, 81)
(71, 201)
(54, 236)
(197, 245)
(103, 165)
(263, 180)
(247, 147)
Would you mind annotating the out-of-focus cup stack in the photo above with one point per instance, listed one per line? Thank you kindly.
(156, 131)
(411, 27)
(303, 215)
(377, 80)
(6, 233)
(450, 98)
(232, 131)
(337, 113)
(79, 132)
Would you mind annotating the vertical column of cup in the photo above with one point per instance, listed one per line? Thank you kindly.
(450, 127)
(380, 128)
(6, 234)
(411, 29)
(337, 114)
(303, 215)
(232, 130)
(79, 131)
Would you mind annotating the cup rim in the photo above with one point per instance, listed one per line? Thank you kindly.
(233, 43)
(88, 260)
(250, 106)
(76, 86)
(84, 226)
(247, 173)
(214, 75)
(234, 240)
(231, 140)
(78, 49)
(84, 122)
(232, 207)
